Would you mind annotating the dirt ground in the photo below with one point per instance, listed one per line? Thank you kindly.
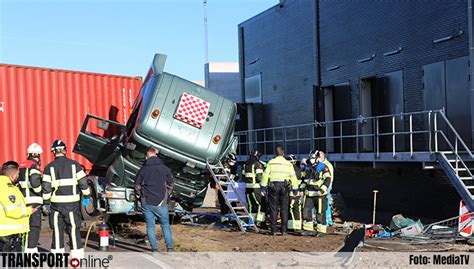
(204, 238)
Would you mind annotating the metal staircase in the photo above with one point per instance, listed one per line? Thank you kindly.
(425, 137)
(455, 162)
(239, 211)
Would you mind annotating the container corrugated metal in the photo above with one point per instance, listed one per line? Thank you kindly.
(43, 104)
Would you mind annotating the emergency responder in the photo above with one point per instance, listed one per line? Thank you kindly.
(316, 189)
(14, 213)
(229, 166)
(62, 180)
(303, 168)
(330, 201)
(253, 173)
(153, 186)
(278, 180)
(295, 222)
(30, 185)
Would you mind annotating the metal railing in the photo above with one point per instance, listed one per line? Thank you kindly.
(424, 131)
(460, 165)
(408, 133)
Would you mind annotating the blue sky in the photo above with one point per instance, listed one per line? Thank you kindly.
(120, 37)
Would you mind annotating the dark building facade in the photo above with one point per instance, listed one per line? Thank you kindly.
(322, 60)
(278, 52)
(336, 59)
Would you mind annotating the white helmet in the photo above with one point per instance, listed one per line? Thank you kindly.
(35, 149)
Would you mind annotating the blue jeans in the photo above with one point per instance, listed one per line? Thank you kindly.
(161, 212)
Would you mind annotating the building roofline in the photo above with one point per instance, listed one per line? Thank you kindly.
(257, 15)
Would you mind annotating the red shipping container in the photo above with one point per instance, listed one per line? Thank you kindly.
(43, 104)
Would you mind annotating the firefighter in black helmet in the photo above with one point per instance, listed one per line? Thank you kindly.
(253, 173)
(316, 189)
(63, 181)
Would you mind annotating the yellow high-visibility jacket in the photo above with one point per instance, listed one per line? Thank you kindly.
(331, 169)
(279, 170)
(14, 214)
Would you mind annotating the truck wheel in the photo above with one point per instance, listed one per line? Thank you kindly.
(90, 211)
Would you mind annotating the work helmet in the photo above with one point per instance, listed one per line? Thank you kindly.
(292, 158)
(58, 145)
(313, 157)
(256, 152)
(231, 159)
(314, 154)
(34, 149)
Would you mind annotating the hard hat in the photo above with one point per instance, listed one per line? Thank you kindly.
(231, 159)
(58, 145)
(314, 154)
(256, 152)
(35, 149)
(292, 158)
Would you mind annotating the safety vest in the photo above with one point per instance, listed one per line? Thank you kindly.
(30, 182)
(331, 169)
(62, 180)
(279, 170)
(253, 172)
(319, 183)
(14, 214)
(303, 174)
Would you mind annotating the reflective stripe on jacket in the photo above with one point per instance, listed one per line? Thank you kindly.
(280, 170)
(30, 182)
(253, 172)
(63, 180)
(318, 185)
(14, 214)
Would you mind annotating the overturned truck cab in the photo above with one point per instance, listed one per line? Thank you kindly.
(189, 126)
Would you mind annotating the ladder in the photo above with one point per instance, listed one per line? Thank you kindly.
(239, 212)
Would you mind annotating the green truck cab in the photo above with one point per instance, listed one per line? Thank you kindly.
(189, 126)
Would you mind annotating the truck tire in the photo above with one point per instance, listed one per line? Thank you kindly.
(90, 211)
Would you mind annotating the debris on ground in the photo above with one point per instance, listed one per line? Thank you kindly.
(399, 222)
(377, 230)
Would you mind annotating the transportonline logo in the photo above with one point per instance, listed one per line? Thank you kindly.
(91, 262)
(58, 260)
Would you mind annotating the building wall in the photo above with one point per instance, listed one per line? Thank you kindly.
(288, 45)
(354, 30)
(280, 44)
(411, 191)
(223, 78)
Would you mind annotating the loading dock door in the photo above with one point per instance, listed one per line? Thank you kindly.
(386, 99)
(329, 116)
(458, 106)
(434, 86)
(394, 104)
(367, 85)
(446, 84)
(342, 109)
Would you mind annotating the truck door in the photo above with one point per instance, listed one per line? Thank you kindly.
(98, 140)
